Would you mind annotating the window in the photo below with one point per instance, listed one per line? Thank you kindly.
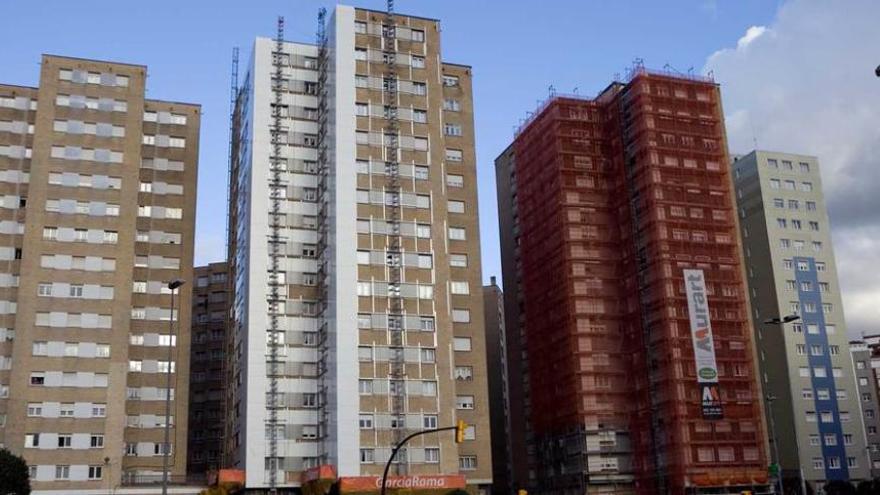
(461, 343)
(50, 233)
(805, 167)
(778, 203)
(820, 372)
(62, 472)
(420, 116)
(96, 472)
(360, 27)
(833, 463)
(429, 388)
(784, 243)
(464, 401)
(65, 441)
(453, 180)
(460, 288)
(426, 324)
(420, 89)
(457, 234)
(806, 186)
(467, 462)
(452, 129)
(458, 260)
(417, 35)
(452, 105)
(417, 62)
(365, 421)
(453, 155)
(788, 185)
(96, 441)
(44, 289)
(32, 440)
(365, 386)
(787, 264)
(807, 394)
(820, 266)
(38, 378)
(814, 226)
(428, 355)
(793, 204)
(455, 206)
(450, 81)
(35, 410)
(76, 291)
(774, 183)
(430, 422)
(360, 53)
(362, 109)
(781, 223)
(811, 206)
(368, 456)
(801, 349)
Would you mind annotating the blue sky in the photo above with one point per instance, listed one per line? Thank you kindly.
(517, 49)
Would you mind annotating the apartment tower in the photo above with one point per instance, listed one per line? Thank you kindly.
(355, 256)
(624, 295)
(207, 380)
(98, 214)
(805, 364)
(499, 404)
(869, 405)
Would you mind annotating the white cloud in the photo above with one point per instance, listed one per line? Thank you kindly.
(751, 35)
(805, 84)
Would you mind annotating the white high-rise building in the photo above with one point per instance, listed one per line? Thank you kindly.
(355, 255)
(805, 364)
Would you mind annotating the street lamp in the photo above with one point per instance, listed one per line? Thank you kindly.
(770, 398)
(172, 286)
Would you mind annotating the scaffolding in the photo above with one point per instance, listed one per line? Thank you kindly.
(276, 244)
(604, 190)
(394, 261)
(323, 254)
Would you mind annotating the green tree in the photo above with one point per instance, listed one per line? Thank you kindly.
(14, 478)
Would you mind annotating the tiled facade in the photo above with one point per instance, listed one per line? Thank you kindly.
(335, 404)
(98, 187)
(805, 365)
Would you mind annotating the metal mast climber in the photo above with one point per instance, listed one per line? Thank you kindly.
(397, 367)
(231, 229)
(276, 244)
(323, 255)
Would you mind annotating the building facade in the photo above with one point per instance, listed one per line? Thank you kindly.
(625, 277)
(869, 404)
(496, 369)
(354, 216)
(207, 410)
(98, 215)
(805, 365)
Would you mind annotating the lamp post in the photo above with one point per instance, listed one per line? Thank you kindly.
(770, 398)
(173, 285)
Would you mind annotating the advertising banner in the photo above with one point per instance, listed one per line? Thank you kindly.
(704, 348)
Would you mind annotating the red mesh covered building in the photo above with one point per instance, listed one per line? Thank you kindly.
(604, 203)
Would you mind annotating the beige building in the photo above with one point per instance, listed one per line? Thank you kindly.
(98, 209)
(368, 226)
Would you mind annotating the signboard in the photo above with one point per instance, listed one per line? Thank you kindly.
(704, 348)
(355, 484)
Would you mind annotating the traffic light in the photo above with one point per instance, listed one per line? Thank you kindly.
(460, 426)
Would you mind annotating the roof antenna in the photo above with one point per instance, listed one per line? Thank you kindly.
(551, 90)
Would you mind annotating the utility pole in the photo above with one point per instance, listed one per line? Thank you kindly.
(173, 285)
